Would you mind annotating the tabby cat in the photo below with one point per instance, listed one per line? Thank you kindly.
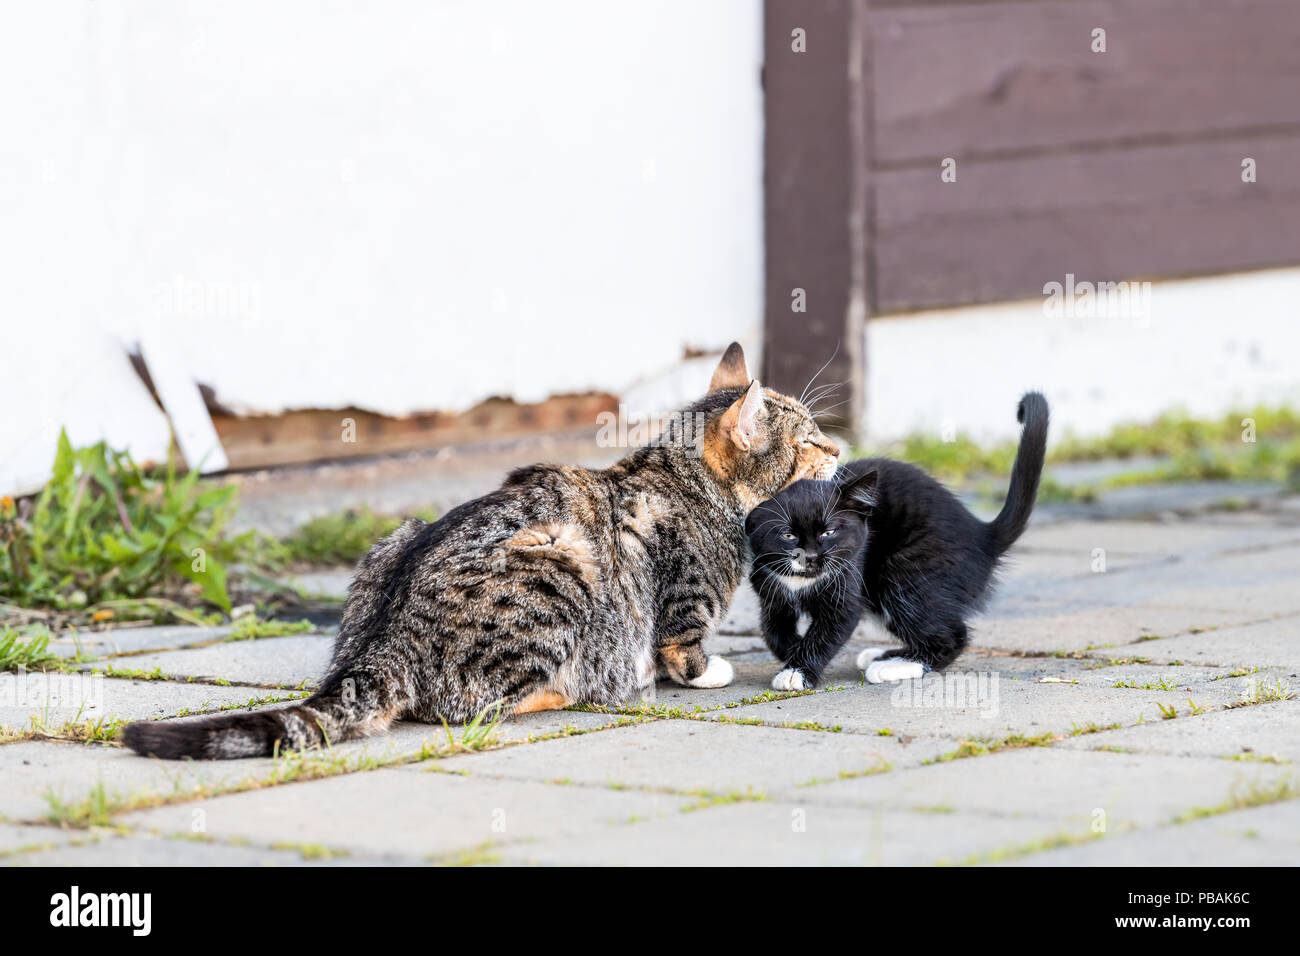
(564, 586)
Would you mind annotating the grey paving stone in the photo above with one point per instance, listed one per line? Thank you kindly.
(785, 834)
(21, 839)
(1162, 501)
(413, 813)
(1267, 595)
(30, 770)
(277, 661)
(1264, 730)
(71, 771)
(128, 640)
(1258, 836)
(732, 645)
(1259, 583)
(1273, 643)
(685, 755)
(1240, 586)
(1155, 537)
(753, 679)
(1065, 787)
(1098, 670)
(1047, 629)
(958, 704)
(95, 850)
(54, 698)
(1205, 686)
(1030, 570)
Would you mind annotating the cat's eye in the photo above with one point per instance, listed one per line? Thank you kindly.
(788, 536)
(828, 532)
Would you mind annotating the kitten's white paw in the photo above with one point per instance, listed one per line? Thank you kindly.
(789, 679)
(867, 655)
(893, 668)
(718, 674)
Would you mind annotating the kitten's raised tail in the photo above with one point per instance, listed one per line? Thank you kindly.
(350, 706)
(1011, 520)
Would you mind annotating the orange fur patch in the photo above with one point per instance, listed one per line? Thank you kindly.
(749, 498)
(542, 700)
(673, 655)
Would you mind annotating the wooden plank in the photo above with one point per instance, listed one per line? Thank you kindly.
(182, 400)
(993, 78)
(1007, 227)
(814, 190)
(306, 435)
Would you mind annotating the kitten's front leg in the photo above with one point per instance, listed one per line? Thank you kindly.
(781, 635)
(809, 654)
(779, 618)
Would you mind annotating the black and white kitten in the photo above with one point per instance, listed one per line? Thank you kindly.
(882, 537)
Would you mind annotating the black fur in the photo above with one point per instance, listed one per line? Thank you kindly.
(884, 537)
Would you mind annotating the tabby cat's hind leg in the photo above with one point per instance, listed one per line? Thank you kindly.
(686, 663)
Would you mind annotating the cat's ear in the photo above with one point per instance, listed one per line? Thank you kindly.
(859, 492)
(732, 372)
(741, 422)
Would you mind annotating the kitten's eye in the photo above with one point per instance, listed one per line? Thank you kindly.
(788, 536)
(828, 532)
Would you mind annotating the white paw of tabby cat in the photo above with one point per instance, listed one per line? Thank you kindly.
(893, 668)
(789, 679)
(867, 655)
(717, 674)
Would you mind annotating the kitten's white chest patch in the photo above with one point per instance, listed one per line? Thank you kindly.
(802, 623)
(795, 583)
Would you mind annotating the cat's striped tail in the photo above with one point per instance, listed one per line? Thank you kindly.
(1010, 523)
(350, 706)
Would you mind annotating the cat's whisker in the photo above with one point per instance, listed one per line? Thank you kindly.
(830, 408)
(823, 389)
(821, 393)
(818, 373)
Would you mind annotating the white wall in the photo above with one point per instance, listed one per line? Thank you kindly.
(1209, 346)
(397, 205)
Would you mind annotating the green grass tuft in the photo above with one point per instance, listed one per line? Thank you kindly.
(27, 651)
(252, 628)
(340, 538)
(105, 529)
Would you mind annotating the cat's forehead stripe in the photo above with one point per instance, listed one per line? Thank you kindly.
(785, 401)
